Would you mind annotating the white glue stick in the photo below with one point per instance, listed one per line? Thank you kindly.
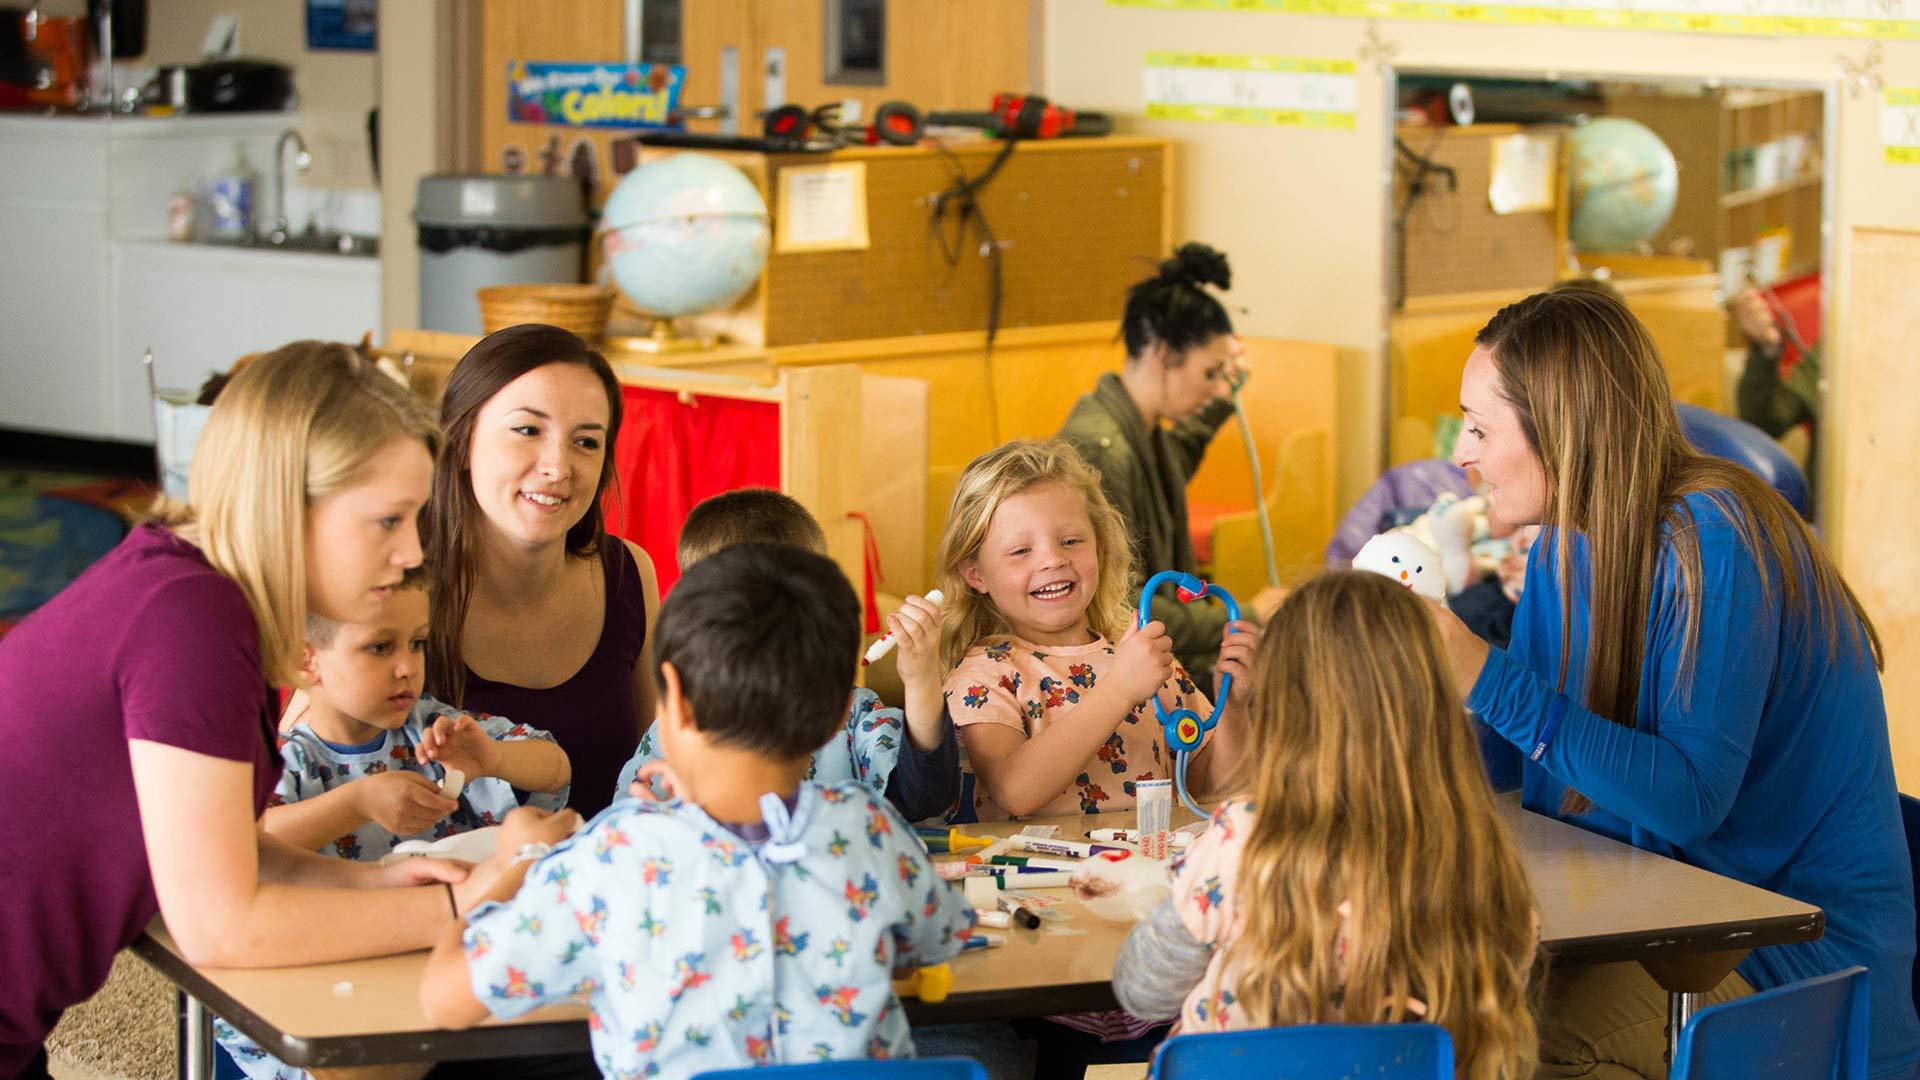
(1153, 805)
(998, 920)
(886, 643)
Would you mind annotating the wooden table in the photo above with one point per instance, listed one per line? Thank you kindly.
(1599, 900)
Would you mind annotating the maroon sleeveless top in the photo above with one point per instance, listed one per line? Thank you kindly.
(593, 715)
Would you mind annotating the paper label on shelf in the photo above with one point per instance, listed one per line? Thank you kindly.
(1900, 125)
(822, 208)
(1522, 174)
(1215, 88)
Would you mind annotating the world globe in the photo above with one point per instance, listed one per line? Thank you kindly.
(1624, 184)
(684, 235)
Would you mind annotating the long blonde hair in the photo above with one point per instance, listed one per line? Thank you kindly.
(295, 425)
(1368, 789)
(1592, 397)
(991, 479)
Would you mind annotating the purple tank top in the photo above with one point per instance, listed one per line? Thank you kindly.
(593, 715)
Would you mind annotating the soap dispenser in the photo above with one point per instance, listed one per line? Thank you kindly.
(230, 198)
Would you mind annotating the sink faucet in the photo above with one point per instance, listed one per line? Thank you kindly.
(301, 160)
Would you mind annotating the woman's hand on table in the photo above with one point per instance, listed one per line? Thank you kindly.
(1466, 652)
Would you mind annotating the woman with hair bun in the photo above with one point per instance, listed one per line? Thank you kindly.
(1147, 428)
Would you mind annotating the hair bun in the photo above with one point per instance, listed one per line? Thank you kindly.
(1196, 264)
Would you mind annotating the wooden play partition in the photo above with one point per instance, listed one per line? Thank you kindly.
(1432, 336)
(926, 405)
(1027, 384)
(1878, 468)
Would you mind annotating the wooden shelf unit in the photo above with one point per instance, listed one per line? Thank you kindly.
(1708, 132)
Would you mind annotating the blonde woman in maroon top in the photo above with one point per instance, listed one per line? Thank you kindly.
(134, 705)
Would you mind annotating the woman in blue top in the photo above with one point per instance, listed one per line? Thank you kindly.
(1688, 673)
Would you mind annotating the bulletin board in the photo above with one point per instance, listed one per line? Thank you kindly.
(1455, 241)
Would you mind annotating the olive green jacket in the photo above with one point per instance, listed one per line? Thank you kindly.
(1145, 475)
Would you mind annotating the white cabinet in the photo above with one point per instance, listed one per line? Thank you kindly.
(200, 307)
(87, 283)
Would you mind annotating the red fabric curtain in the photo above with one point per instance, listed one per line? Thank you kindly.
(672, 455)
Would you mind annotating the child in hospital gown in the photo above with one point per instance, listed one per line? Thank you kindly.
(701, 946)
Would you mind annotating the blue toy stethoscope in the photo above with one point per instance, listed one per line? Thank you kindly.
(1184, 728)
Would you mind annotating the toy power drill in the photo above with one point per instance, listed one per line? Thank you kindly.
(1027, 116)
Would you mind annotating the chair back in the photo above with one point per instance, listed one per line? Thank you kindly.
(1312, 1052)
(1815, 1029)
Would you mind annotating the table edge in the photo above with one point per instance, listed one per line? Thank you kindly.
(428, 1044)
(555, 1036)
(1744, 936)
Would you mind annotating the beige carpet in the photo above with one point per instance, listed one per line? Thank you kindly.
(126, 1032)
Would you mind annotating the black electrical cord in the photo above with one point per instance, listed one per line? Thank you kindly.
(960, 196)
(1423, 167)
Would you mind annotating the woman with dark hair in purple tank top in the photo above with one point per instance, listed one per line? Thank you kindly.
(539, 614)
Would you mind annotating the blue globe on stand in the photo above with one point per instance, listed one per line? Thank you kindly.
(684, 235)
(1624, 184)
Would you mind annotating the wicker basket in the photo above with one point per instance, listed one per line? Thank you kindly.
(582, 309)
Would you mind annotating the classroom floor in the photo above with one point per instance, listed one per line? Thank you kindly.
(125, 1032)
(53, 525)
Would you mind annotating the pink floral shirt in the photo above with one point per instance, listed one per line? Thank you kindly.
(1028, 687)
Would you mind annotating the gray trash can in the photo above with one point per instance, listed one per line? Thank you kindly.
(479, 230)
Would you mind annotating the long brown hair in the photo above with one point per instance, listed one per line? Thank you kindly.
(1592, 397)
(1368, 790)
(448, 525)
(295, 425)
(991, 479)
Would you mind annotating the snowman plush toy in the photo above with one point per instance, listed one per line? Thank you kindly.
(1405, 560)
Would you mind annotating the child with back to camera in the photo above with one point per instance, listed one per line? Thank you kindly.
(1389, 889)
(754, 917)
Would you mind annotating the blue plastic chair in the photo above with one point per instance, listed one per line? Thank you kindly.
(1910, 818)
(1815, 1029)
(1737, 441)
(904, 1069)
(1313, 1052)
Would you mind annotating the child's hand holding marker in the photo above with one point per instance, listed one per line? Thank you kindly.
(916, 629)
(918, 622)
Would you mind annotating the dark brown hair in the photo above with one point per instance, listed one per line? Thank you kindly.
(766, 641)
(447, 523)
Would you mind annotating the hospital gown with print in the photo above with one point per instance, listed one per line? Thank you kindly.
(315, 766)
(696, 949)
